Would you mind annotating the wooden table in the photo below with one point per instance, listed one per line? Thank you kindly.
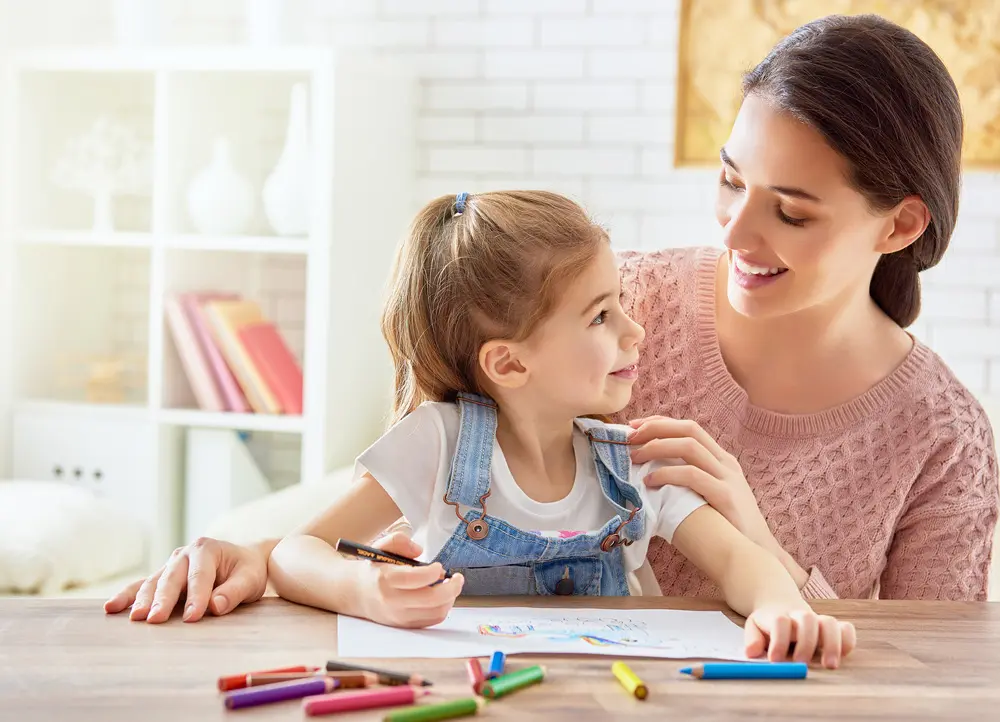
(66, 660)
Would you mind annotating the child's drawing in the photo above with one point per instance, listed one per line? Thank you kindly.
(597, 631)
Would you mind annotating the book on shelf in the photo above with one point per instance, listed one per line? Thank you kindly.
(232, 396)
(234, 358)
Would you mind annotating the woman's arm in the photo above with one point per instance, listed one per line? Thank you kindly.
(305, 568)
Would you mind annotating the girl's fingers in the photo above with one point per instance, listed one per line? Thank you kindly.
(806, 635)
(400, 577)
(754, 639)
(691, 451)
(438, 595)
(781, 637)
(848, 637)
(829, 632)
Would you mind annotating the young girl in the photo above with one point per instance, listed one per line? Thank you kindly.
(508, 338)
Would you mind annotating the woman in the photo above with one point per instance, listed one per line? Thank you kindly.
(804, 411)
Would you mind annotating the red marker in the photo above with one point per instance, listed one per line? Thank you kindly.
(362, 699)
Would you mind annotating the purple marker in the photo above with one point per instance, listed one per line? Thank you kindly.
(279, 692)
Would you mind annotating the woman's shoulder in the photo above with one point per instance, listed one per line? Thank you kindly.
(949, 424)
(666, 262)
(671, 275)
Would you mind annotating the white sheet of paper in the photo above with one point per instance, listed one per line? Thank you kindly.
(478, 632)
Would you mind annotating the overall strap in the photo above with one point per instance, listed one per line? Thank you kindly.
(470, 470)
(610, 449)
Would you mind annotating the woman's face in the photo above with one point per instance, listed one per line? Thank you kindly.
(798, 236)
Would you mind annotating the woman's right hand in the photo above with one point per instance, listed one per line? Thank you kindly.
(216, 575)
(407, 596)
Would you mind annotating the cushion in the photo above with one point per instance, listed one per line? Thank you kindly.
(54, 536)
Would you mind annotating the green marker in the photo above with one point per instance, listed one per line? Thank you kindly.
(513, 681)
(435, 712)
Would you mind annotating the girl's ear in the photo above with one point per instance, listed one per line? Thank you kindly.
(500, 363)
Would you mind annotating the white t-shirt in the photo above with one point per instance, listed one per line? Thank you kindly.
(412, 461)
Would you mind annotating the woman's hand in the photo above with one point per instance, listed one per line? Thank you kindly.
(773, 630)
(708, 470)
(411, 597)
(216, 576)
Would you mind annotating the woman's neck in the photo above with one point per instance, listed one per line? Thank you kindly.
(538, 449)
(809, 361)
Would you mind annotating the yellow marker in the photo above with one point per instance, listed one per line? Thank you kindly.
(629, 680)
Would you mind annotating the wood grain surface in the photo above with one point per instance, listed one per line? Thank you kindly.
(67, 660)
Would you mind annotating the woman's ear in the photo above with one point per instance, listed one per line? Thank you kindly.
(499, 361)
(909, 221)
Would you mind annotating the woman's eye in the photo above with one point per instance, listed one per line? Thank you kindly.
(726, 183)
(797, 222)
(600, 318)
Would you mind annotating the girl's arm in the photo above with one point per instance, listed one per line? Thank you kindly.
(305, 568)
(756, 585)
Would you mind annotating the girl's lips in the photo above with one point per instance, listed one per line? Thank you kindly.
(628, 373)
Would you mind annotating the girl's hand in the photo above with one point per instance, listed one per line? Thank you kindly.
(773, 629)
(404, 596)
(708, 470)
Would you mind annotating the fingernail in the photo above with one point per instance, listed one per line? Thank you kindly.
(154, 609)
(188, 611)
(220, 603)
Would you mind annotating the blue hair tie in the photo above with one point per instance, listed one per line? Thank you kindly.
(460, 203)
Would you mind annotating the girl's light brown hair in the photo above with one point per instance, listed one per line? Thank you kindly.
(460, 280)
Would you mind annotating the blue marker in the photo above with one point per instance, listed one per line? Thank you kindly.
(496, 665)
(748, 670)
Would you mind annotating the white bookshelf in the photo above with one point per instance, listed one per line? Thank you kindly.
(77, 292)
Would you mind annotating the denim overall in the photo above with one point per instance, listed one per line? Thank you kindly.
(497, 558)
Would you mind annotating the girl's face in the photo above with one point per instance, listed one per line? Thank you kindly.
(798, 235)
(583, 358)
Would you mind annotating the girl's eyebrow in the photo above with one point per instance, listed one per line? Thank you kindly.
(596, 301)
(781, 190)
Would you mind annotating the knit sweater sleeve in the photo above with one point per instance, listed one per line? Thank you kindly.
(943, 542)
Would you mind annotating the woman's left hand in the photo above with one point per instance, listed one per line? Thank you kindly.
(708, 470)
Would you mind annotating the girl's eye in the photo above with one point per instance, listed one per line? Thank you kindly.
(600, 318)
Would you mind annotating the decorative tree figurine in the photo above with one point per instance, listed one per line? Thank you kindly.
(106, 161)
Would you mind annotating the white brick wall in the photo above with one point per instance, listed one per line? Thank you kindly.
(572, 95)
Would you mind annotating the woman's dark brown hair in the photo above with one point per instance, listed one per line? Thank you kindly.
(885, 102)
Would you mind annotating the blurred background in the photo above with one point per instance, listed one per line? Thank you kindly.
(200, 199)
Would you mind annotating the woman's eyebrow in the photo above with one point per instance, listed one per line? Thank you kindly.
(781, 190)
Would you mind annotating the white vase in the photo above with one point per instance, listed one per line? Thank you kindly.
(220, 200)
(265, 22)
(286, 190)
(139, 23)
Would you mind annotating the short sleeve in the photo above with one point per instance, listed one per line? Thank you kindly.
(670, 505)
(407, 462)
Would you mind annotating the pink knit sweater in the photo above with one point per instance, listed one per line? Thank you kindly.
(893, 494)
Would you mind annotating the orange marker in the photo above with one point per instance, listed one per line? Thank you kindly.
(239, 681)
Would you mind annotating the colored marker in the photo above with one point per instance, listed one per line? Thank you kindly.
(513, 681)
(346, 680)
(475, 672)
(279, 692)
(362, 699)
(384, 676)
(239, 681)
(629, 680)
(748, 670)
(435, 712)
(496, 665)
(377, 555)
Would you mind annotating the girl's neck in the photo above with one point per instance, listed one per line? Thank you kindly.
(538, 448)
(812, 360)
